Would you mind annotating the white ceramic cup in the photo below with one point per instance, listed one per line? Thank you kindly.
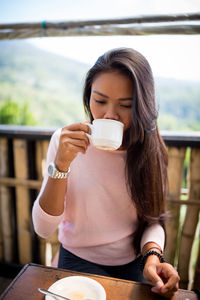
(106, 134)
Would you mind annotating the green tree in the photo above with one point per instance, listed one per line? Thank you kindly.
(12, 113)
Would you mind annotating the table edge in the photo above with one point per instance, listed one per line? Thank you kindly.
(14, 280)
(75, 272)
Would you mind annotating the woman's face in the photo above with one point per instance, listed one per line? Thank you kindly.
(111, 97)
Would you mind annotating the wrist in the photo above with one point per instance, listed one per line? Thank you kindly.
(55, 173)
(61, 167)
(151, 257)
(151, 246)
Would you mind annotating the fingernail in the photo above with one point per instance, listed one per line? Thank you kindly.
(154, 290)
(159, 284)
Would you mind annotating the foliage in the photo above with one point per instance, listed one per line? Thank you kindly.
(53, 86)
(13, 113)
(179, 104)
(51, 83)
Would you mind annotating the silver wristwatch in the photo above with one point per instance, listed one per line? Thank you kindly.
(54, 173)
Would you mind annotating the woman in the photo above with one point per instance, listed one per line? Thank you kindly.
(110, 205)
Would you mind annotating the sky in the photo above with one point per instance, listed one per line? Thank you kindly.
(169, 56)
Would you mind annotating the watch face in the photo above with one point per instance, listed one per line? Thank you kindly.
(50, 170)
(54, 173)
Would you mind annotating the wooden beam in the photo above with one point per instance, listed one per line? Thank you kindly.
(81, 23)
(184, 202)
(104, 30)
(28, 183)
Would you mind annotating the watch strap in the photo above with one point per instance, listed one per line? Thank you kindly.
(61, 175)
(53, 172)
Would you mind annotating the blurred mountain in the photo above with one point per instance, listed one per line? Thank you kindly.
(178, 104)
(53, 85)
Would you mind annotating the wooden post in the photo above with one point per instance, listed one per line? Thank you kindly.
(41, 152)
(196, 283)
(1, 238)
(191, 219)
(7, 238)
(1, 229)
(53, 240)
(22, 202)
(175, 175)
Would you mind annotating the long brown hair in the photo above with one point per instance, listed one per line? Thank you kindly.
(146, 160)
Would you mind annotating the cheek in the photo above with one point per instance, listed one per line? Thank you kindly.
(127, 121)
(92, 108)
(96, 109)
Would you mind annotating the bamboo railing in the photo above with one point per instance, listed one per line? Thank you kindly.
(22, 160)
(187, 23)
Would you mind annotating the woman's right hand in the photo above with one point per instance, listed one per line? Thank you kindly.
(73, 139)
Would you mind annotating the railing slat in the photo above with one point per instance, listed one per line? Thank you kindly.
(22, 202)
(7, 239)
(175, 174)
(1, 237)
(191, 218)
(41, 152)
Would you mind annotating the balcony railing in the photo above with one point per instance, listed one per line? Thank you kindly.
(22, 160)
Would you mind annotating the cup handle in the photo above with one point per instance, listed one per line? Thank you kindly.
(89, 135)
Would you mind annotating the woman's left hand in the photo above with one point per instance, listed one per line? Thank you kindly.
(162, 276)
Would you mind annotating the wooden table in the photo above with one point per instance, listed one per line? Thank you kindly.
(25, 285)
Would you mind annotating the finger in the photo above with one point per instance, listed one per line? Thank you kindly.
(157, 287)
(171, 278)
(169, 294)
(75, 142)
(171, 284)
(76, 135)
(76, 148)
(81, 135)
(169, 275)
(151, 275)
(77, 127)
(89, 129)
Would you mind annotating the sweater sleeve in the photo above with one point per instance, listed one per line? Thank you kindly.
(153, 233)
(45, 224)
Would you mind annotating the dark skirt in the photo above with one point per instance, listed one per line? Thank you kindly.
(130, 271)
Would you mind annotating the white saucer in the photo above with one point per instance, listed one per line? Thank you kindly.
(78, 288)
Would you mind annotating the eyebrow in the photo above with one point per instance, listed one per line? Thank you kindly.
(105, 96)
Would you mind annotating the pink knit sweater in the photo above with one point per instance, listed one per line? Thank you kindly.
(99, 218)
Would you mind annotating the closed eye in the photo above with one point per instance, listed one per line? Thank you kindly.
(126, 106)
(100, 101)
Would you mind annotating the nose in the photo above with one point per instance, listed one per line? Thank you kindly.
(111, 113)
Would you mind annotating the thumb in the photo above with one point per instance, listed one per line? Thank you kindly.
(153, 278)
(157, 286)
